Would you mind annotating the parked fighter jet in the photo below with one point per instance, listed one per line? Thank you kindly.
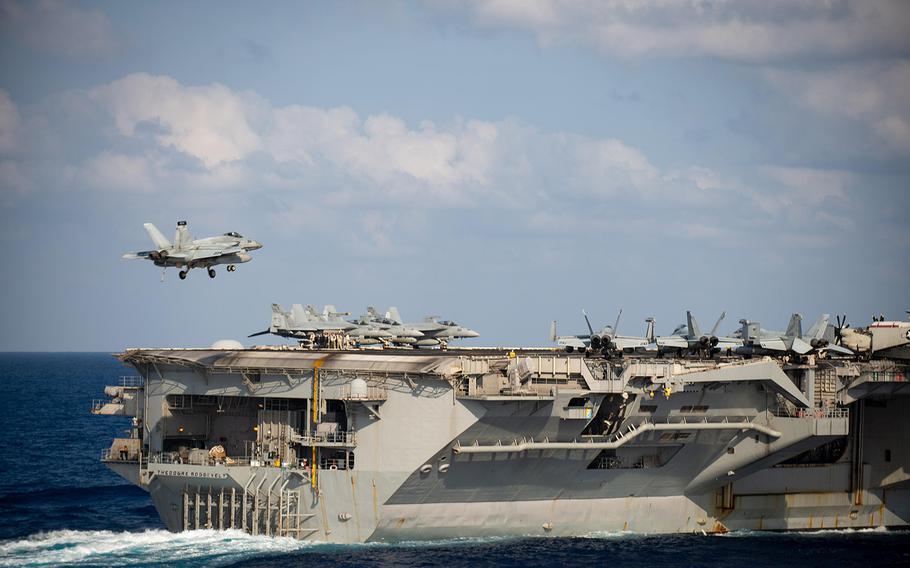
(605, 340)
(401, 334)
(435, 332)
(187, 253)
(757, 341)
(689, 338)
(313, 329)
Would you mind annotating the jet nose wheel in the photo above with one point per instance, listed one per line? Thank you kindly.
(211, 272)
(182, 274)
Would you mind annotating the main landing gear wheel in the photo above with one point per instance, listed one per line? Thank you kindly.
(182, 274)
(231, 268)
(211, 272)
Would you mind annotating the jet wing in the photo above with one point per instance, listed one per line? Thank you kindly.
(773, 343)
(623, 343)
(202, 254)
(673, 341)
(572, 341)
(724, 343)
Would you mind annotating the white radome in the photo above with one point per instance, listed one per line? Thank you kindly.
(227, 344)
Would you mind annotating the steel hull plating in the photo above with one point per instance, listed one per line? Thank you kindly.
(450, 445)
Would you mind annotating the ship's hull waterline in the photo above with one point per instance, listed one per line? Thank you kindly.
(373, 446)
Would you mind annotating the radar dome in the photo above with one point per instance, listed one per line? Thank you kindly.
(358, 388)
(227, 344)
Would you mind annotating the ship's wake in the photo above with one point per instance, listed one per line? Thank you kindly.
(149, 548)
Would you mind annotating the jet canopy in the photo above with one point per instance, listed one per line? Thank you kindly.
(234, 234)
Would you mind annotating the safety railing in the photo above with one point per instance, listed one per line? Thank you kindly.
(370, 393)
(125, 456)
(341, 438)
(175, 458)
(333, 464)
(134, 381)
(811, 413)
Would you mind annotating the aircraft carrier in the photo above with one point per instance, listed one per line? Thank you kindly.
(391, 445)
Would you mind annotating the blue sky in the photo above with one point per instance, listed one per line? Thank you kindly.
(498, 162)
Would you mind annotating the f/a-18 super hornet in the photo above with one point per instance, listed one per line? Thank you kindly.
(688, 338)
(326, 329)
(436, 332)
(400, 333)
(606, 340)
(187, 253)
(758, 341)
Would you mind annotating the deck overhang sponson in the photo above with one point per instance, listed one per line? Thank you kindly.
(647, 427)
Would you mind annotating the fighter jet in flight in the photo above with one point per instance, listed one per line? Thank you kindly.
(187, 253)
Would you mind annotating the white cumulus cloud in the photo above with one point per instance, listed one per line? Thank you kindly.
(211, 123)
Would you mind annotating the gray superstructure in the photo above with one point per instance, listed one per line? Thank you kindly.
(353, 446)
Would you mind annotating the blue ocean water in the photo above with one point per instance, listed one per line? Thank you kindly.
(59, 506)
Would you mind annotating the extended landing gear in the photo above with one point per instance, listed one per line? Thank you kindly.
(231, 268)
(182, 274)
(211, 272)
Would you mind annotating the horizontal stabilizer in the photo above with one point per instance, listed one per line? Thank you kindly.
(800, 346)
(157, 237)
(839, 349)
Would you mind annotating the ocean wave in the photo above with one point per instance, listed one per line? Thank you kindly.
(808, 533)
(148, 548)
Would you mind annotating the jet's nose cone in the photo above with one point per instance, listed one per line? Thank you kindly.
(254, 245)
(470, 333)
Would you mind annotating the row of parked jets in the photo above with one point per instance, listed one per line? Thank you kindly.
(329, 328)
(890, 339)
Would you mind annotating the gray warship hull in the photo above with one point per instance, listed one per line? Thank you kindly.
(354, 446)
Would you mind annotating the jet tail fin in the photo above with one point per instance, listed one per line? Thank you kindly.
(182, 238)
(553, 330)
(158, 238)
(692, 325)
(795, 327)
(393, 315)
(298, 314)
(587, 321)
(279, 318)
(818, 329)
(649, 331)
(717, 323)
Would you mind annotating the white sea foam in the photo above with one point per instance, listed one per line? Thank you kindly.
(806, 533)
(203, 548)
